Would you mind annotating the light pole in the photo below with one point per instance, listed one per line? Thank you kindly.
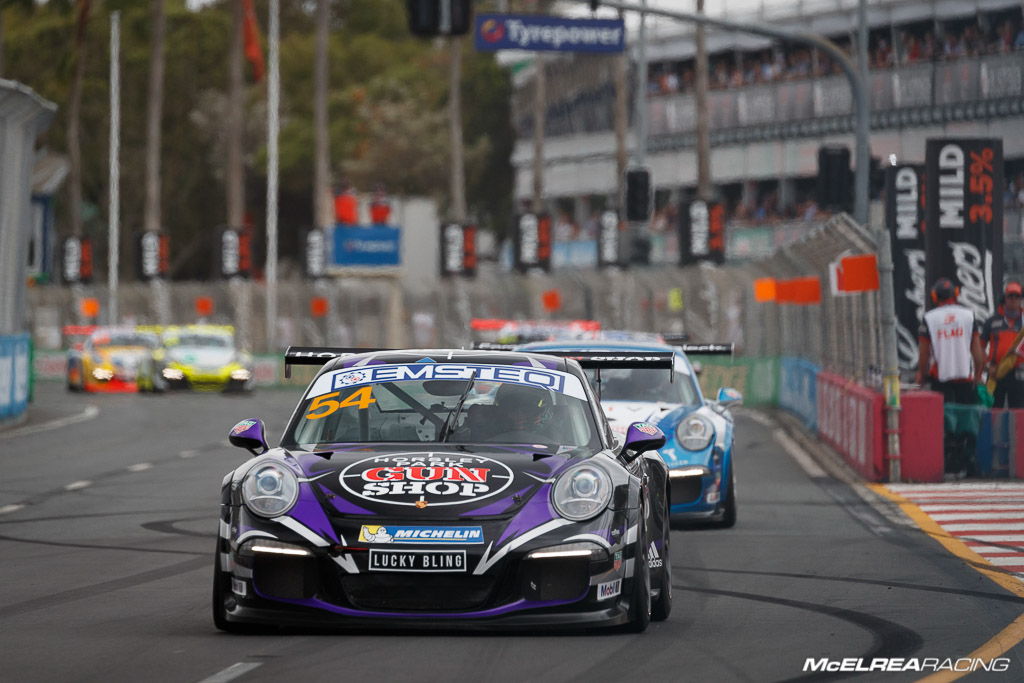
(861, 113)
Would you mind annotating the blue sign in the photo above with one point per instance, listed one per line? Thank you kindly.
(798, 389)
(374, 246)
(539, 32)
(14, 374)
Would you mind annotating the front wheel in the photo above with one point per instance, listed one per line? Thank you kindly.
(728, 506)
(661, 608)
(640, 598)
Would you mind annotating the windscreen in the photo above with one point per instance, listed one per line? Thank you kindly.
(452, 403)
(218, 341)
(644, 384)
(116, 339)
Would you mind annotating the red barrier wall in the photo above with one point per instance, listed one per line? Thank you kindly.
(1017, 460)
(921, 431)
(850, 420)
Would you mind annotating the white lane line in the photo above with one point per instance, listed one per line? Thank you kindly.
(982, 526)
(811, 468)
(959, 485)
(78, 485)
(10, 508)
(995, 549)
(965, 508)
(232, 672)
(995, 538)
(140, 467)
(89, 413)
(952, 516)
(188, 454)
(1017, 561)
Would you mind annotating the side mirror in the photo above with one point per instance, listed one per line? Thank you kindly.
(251, 435)
(640, 438)
(729, 397)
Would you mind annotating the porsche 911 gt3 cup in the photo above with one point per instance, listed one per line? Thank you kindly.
(699, 447)
(444, 487)
(198, 357)
(108, 359)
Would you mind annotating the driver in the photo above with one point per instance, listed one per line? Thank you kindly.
(522, 408)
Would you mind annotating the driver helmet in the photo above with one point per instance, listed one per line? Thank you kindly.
(523, 407)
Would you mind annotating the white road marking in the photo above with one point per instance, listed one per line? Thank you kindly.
(995, 538)
(188, 454)
(983, 526)
(140, 467)
(78, 485)
(811, 468)
(89, 413)
(993, 549)
(1015, 561)
(967, 515)
(10, 508)
(232, 672)
(965, 508)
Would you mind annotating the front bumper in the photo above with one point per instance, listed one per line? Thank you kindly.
(220, 379)
(694, 491)
(335, 587)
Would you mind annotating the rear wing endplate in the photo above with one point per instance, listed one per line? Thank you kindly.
(318, 355)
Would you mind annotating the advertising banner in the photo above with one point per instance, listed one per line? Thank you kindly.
(458, 249)
(15, 378)
(533, 241)
(904, 219)
(539, 32)
(701, 232)
(76, 260)
(609, 240)
(152, 255)
(964, 218)
(374, 246)
(316, 253)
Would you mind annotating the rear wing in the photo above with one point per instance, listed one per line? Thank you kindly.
(318, 355)
(688, 349)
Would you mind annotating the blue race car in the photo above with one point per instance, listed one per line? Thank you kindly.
(699, 449)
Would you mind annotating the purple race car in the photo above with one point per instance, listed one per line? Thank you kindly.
(464, 488)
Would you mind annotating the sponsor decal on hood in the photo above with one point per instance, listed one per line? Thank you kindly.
(428, 535)
(429, 478)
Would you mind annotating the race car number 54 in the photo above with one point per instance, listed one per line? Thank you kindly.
(325, 405)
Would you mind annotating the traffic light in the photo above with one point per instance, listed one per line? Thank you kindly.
(440, 17)
(638, 194)
(835, 180)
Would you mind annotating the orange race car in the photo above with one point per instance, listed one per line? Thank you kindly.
(108, 359)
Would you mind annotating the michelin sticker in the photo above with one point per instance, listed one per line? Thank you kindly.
(542, 378)
(461, 535)
(421, 479)
(609, 590)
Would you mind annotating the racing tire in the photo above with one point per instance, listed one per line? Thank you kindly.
(661, 607)
(221, 580)
(640, 598)
(727, 520)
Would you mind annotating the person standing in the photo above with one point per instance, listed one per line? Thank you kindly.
(999, 333)
(949, 347)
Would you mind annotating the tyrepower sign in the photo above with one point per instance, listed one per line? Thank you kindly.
(533, 241)
(904, 219)
(701, 232)
(536, 32)
(76, 260)
(458, 249)
(964, 218)
(608, 240)
(152, 255)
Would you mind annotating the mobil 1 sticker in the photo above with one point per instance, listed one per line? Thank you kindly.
(417, 560)
(426, 479)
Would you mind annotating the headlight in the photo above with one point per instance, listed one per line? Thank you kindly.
(241, 375)
(103, 374)
(695, 433)
(269, 489)
(582, 492)
(172, 374)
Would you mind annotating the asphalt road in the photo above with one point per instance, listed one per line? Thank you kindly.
(106, 570)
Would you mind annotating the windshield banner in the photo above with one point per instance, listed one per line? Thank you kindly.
(542, 378)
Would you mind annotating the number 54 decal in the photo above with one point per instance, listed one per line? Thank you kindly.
(325, 405)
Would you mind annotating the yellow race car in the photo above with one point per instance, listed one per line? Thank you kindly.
(108, 359)
(198, 357)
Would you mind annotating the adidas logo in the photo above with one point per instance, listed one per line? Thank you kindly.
(654, 560)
